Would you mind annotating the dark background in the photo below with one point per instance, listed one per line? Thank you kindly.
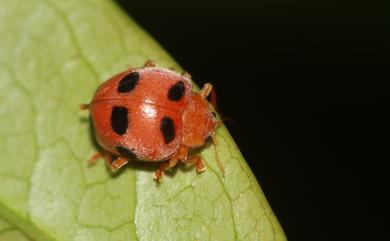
(299, 79)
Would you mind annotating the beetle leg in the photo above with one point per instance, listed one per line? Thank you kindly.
(197, 161)
(181, 154)
(205, 91)
(114, 164)
(163, 167)
(95, 157)
(102, 154)
(118, 163)
(150, 63)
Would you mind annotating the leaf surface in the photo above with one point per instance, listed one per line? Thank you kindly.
(53, 55)
(9, 232)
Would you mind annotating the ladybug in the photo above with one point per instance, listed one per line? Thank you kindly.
(151, 114)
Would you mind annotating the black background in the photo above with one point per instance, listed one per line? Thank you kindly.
(299, 79)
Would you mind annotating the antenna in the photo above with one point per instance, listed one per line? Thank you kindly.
(219, 163)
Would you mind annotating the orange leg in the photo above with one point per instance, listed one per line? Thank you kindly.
(205, 91)
(150, 63)
(164, 167)
(102, 154)
(114, 164)
(118, 163)
(95, 157)
(180, 155)
(197, 161)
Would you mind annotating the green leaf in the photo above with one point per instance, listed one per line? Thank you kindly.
(9, 232)
(53, 55)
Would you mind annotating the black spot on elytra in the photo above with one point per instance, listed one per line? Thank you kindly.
(119, 119)
(128, 82)
(176, 92)
(168, 129)
(126, 152)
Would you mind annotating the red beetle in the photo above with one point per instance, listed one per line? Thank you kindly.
(151, 114)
